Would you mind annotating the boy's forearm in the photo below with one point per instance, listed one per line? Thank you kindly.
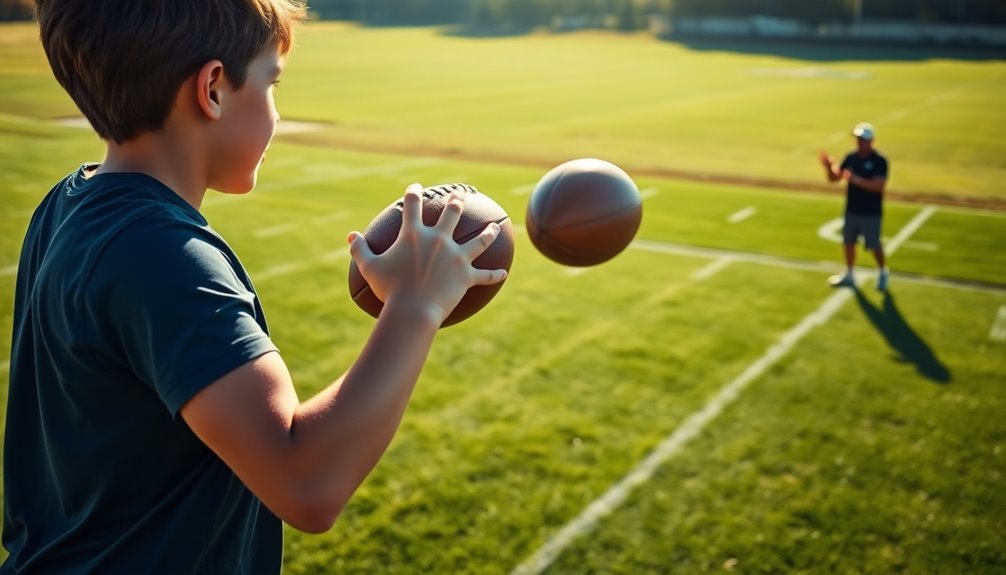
(340, 434)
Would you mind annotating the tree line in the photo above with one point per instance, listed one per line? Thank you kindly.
(633, 14)
(624, 14)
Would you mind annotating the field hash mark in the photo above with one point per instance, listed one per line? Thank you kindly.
(742, 214)
(998, 331)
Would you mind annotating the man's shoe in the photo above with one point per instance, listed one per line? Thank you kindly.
(882, 280)
(844, 280)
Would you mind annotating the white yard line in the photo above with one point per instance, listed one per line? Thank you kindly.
(694, 424)
(998, 331)
(714, 267)
(8, 271)
(648, 192)
(742, 214)
(4, 366)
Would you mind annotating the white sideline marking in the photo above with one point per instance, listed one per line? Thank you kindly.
(8, 271)
(5, 365)
(924, 246)
(618, 493)
(711, 269)
(832, 231)
(998, 331)
(576, 271)
(830, 266)
(648, 192)
(742, 214)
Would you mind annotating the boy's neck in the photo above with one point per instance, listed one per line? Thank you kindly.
(162, 158)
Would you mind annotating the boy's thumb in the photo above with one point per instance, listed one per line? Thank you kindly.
(357, 244)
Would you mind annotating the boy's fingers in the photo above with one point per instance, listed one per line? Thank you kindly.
(359, 249)
(487, 277)
(412, 207)
(481, 242)
(451, 214)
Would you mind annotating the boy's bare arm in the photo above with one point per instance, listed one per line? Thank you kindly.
(304, 461)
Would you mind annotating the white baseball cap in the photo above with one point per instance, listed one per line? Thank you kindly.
(863, 130)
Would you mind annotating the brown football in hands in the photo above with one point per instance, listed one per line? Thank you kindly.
(584, 212)
(480, 210)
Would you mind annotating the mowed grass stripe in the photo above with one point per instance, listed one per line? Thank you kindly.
(856, 454)
(555, 350)
(600, 508)
(520, 461)
(480, 487)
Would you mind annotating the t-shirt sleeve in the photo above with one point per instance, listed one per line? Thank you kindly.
(171, 300)
(847, 162)
(881, 167)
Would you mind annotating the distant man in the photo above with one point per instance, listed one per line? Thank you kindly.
(865, 170)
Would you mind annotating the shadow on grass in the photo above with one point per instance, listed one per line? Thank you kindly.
(902, 338)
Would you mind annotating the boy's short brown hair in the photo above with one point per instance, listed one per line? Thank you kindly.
(123, 61)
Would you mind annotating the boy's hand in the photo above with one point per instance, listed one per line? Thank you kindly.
(425, 269)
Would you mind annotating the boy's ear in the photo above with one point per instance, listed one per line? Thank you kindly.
(209, 88)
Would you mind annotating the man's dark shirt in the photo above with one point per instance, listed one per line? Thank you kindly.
(859, 201)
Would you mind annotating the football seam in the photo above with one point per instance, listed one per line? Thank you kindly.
(571, 251)
(594, 220)
(546, 209)
(470, 235)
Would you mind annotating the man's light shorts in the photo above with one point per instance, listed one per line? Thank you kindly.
(866, 226)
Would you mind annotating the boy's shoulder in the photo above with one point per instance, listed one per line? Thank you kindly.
(109, 222)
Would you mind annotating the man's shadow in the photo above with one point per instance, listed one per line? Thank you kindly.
(902, 338)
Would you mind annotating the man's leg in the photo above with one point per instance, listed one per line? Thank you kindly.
(846, 279)
(878, 254)
(871, 233)
(850, 236)
(884, 273)
(850, 257)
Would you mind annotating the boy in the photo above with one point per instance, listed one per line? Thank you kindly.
(152, 427)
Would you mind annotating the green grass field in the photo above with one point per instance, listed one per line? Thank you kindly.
(721, 407)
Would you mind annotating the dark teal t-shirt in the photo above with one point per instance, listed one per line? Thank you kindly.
(127, 304)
